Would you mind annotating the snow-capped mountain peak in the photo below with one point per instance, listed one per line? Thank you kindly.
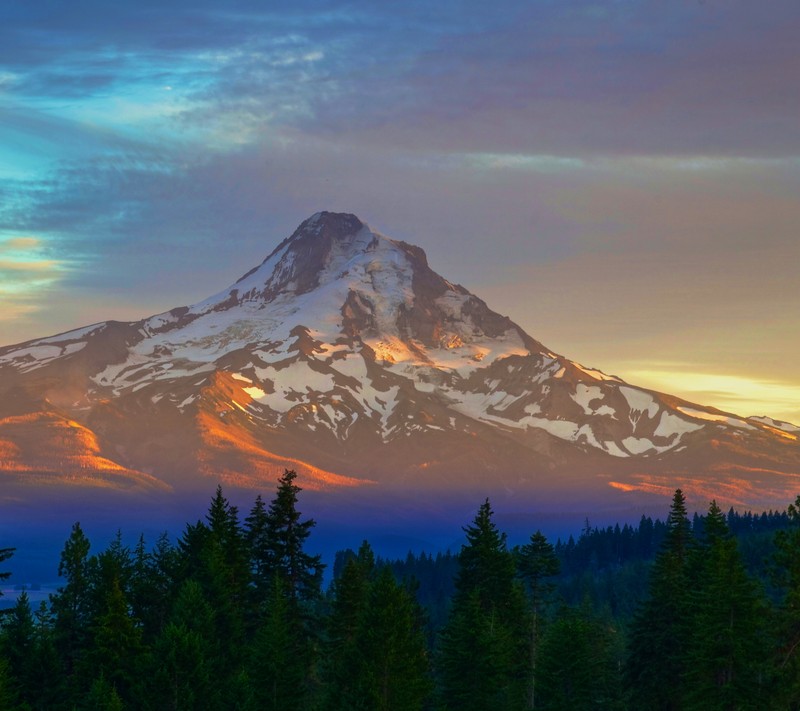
(344, 350)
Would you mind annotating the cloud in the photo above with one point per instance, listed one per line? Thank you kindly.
(645, 78)
(19, 244)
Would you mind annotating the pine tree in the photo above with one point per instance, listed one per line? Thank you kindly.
(48, 687)
(256, 535)
(117, 651)
(277, 661)
(377, 658)
(579, 664)
(286, 536)
(185, 673)
(396, 676)
(536, 563)
(18, 644)
(724, 653)
(787, 580)
(72, 603)
(655, 668)
(213, 554)
(483, 650)
(8, 690)
(343, 650)
(102, 696)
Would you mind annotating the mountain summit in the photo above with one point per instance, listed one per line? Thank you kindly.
(343, 355)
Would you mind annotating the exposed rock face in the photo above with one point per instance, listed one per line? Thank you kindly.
(344, 356)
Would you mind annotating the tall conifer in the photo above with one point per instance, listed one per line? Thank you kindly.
(656, 663)
(482, 657)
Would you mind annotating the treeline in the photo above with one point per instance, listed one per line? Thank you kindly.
(663, 615)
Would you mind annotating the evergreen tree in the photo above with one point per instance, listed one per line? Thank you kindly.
(344, 653)
(213, 554)
(278, 660)
(285, 537)
(536, 564)
(117, 651)
(725, 653)
(48, 687)
(72, 603)
(8, 690)
(376, 650)
(18, 644)
(659, 633)
(260, 549)
(102, 696)
(483, 650)
(579, 664)
(186, 658)
(787, 579)
(396, 676)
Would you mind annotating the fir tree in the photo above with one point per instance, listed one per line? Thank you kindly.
(376, 650)
(8, 690)
(396, 676)
(278, 661)
(724, 667)
(18, 644)
(186, 657)
(117, 651)
(536, 564)
(786, 576)
(350, 595)
(72, 603)
(482, 659)
(655, 668)
(286, 536)
(579, 664)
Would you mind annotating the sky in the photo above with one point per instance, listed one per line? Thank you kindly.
(622, 178)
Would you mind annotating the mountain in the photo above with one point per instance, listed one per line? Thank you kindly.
(343, 355)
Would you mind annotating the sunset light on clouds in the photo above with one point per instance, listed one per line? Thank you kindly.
(621, 179)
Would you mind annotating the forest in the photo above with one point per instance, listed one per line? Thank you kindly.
(698, 612)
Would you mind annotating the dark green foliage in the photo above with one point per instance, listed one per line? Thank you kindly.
(279, 657)
(185, 655)
(376, 642)
(18, 645)
(725, 656)
(72, 603)
(102, 696)
(392, 643)
(578, 664)
(786, 575)
(536, 565)
(232, 618)
(8, 687)
(117, 651)
(286, 535)
(660, 631)
(483, 656)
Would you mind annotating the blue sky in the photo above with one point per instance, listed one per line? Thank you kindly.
(620, 177)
